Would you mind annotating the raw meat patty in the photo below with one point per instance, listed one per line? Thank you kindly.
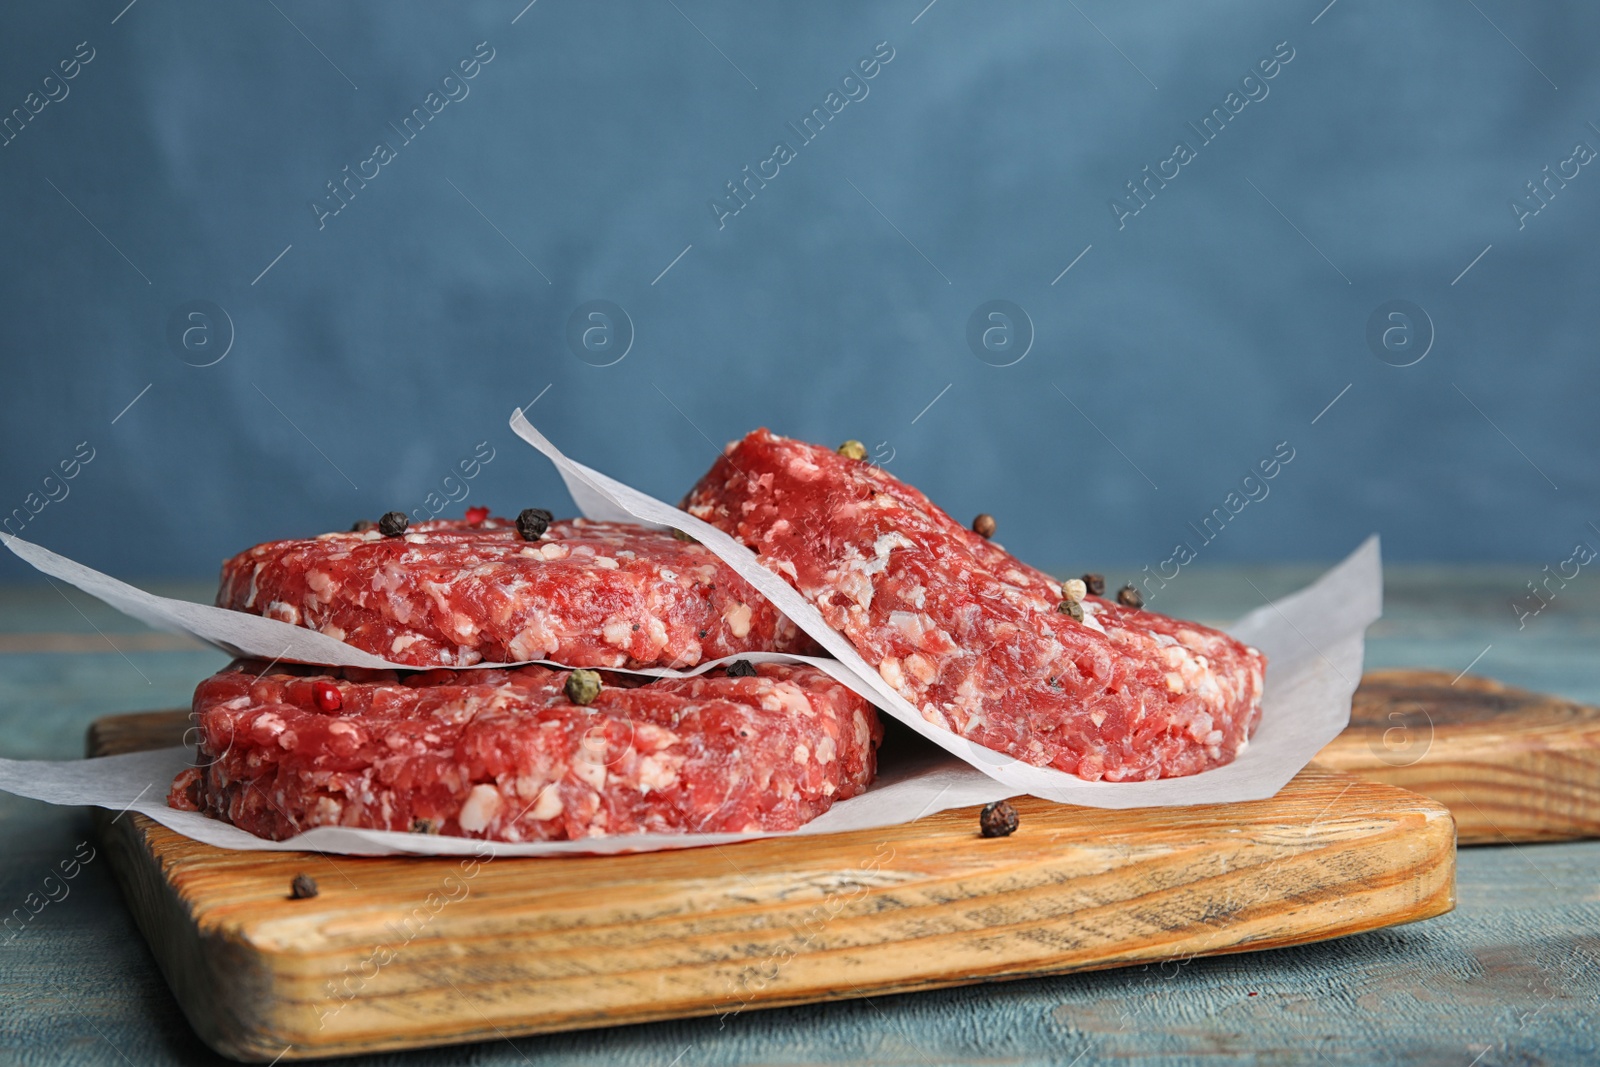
(970, 636)
(504, 755)
(449, 593)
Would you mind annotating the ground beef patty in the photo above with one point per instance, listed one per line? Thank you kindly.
(972, 637)
(449, 593)
(506, 756)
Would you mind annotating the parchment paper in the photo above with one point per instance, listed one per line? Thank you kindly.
(1313, 641)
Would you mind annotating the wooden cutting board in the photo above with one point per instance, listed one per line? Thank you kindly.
(1511, 765)
(404, 952)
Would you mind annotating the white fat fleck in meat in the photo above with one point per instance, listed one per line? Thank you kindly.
(335, 632)
(535, 640)
(605, 563)
(255, 572)
(283, 612)
(325, 812)
(403, 642)
(1164, 640)
(1174, 682)
(883, 546)
(786, 696)
(389, 578)
(827, 750)
(590, 773)
(416, 539)
(801, 753)
(737, 617)
(482, 806)
(656, 632)
(912, 625)
(267, 725)
(549, 805)
(801, 467)
(656, 772)
(439, 593)
(320, 583)
(854, 583)
(555, 550)
(921, 668)
(617, 632)
(890, 671)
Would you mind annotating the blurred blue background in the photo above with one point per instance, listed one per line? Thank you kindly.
(369, 351)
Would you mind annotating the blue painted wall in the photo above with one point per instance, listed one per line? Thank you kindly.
(983, 156)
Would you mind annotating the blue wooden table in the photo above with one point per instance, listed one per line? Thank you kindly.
(1511, 977)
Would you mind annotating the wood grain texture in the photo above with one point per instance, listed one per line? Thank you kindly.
(1513, 766)
(404, 952)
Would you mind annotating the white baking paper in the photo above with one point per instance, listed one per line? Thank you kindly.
(1313, 641)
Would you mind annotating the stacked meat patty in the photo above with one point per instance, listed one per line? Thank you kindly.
(509, 756)
(530, 754)
(977, 641)
(452, 593)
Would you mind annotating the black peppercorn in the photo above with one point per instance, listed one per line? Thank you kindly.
(998, 819)
(741, 668)
(393, 523)
(984, 526)
(304, 887)
(424, 826)
(1096, 584)
(362, 525)
(533, 522)
(1129, 596)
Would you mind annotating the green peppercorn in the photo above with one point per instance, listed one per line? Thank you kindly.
(679, 535)
(393, 523)
(533, 522)
(583, 686)
(853, 450)
(1072, 608)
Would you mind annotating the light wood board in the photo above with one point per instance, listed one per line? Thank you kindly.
(520, 946)
(1512, 765)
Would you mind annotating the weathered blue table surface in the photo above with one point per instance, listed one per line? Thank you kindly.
(1512, 976)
